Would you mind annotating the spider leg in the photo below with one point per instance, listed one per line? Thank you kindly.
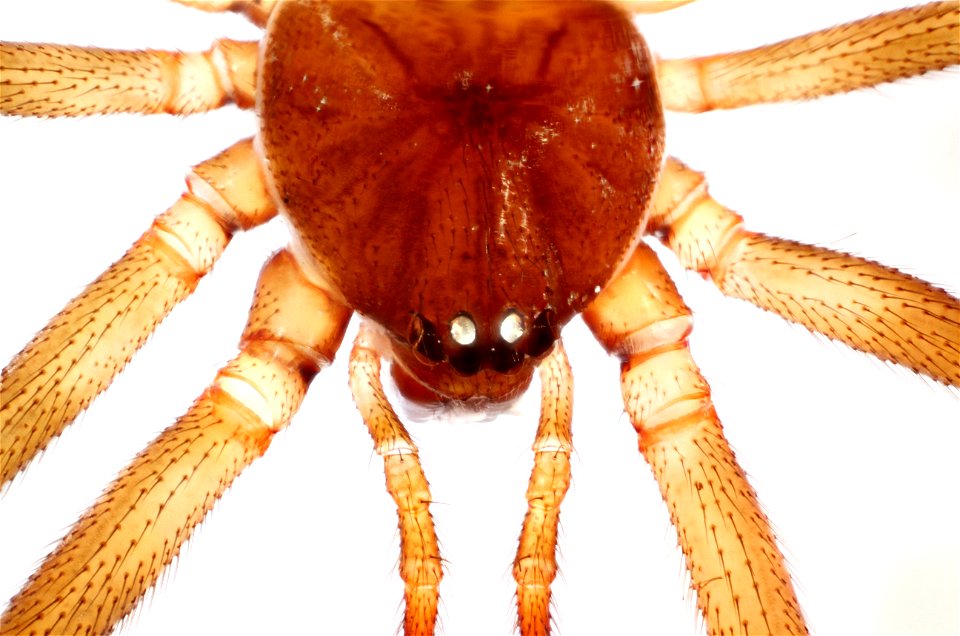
(535, 566)
(53, 80)
(652, 6)
(736, 568)
(77, 355)
(421, 566)
(118, 549)
(257, 11)
(843, 58)
(870, 307)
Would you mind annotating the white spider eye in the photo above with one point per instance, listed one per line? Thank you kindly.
(463, 330)
(511, 327)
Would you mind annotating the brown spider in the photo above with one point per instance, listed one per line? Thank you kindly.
(611, 530)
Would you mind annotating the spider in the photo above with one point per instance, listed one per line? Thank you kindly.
(591, 415)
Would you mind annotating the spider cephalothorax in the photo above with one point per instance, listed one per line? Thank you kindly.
(305, 296)
(456, 170)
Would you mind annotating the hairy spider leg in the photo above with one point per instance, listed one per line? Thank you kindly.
(120, 546)
(870, 307)
(55, 80)
(736, 568)
(535, 566)
(886, 47)
(82, 349)
(421, 566)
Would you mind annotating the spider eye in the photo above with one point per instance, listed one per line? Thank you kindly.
(467, 361)
(506, 356)
(424, 340)
(469, 347)
(511, 327)
(543, 333)
(463, 330)
(505, 359)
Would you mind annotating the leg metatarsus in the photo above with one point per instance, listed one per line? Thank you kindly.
(118, 549)
(736, 568)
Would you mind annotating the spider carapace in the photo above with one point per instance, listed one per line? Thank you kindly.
(467, 177)
(455, 175)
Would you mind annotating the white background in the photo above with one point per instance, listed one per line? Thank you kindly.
(855, 461)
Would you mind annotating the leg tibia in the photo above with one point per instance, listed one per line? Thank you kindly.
(56, 80)
(735, 566)
(868, 306)
(535, 566)
(871, 51)
(78, 354)
(118, 549)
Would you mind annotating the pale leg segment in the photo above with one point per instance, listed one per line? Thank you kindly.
(257, 11)
(843, 58)
(736, 568)
(421, 566)
(535, 566)
(77, 355)
(120, 546)
(651, 6)
(870, 307)
(54, 80)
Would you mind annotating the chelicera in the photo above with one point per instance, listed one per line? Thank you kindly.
(453, 333)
